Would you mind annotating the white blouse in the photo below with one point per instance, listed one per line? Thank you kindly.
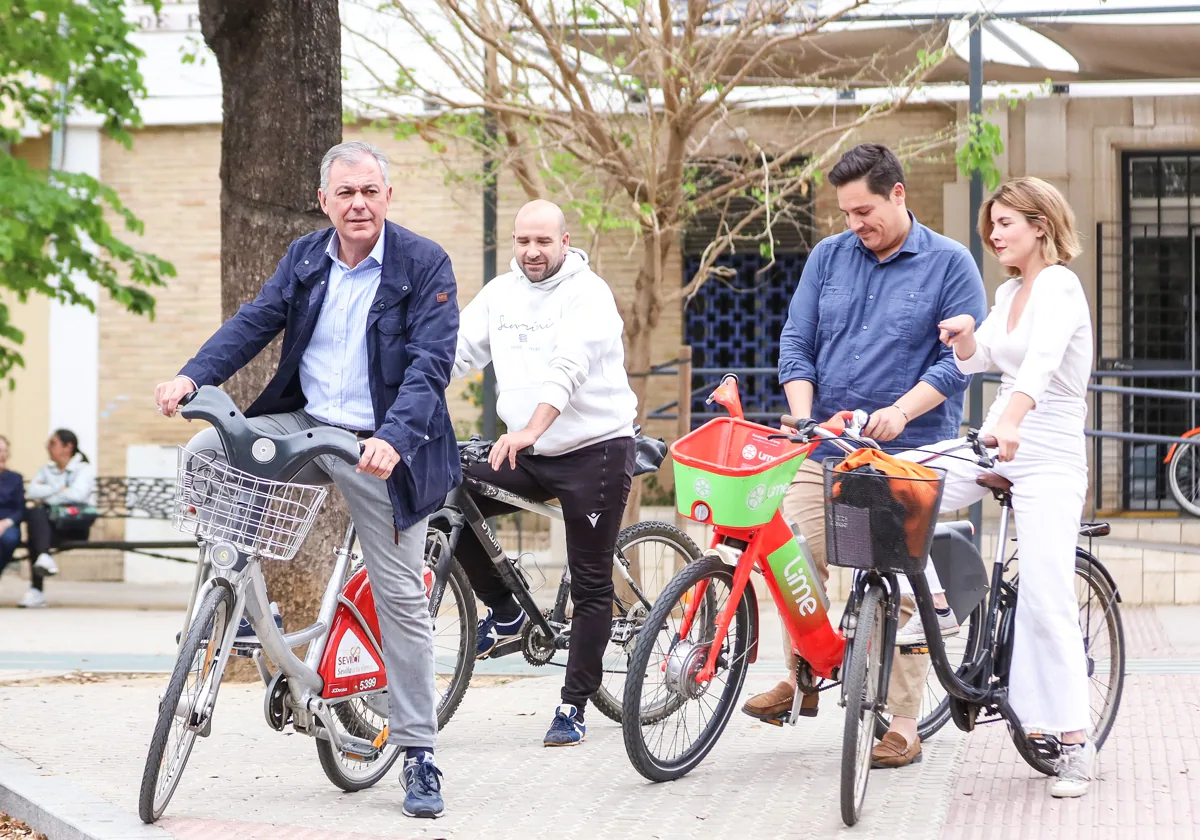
(1049, 355)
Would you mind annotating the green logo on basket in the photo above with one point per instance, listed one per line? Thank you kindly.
(761, 493)
(756, 497)
(702, 488)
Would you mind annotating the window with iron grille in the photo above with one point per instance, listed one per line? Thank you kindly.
(734, 321)
(1157, 255)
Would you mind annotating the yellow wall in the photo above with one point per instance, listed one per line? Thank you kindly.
(25, 412)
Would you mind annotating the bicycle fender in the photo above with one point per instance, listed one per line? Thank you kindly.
(1171, 451)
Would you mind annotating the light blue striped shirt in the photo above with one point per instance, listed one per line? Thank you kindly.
(333, 370)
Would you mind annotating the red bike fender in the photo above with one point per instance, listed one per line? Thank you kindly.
(1171, 451)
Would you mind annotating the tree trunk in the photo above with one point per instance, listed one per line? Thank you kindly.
(281, 91)
(642, 321)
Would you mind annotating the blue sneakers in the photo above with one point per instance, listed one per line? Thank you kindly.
(492, 633)
(567, 730)
(423, 788)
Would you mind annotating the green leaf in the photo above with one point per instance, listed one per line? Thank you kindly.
(979, 151)
(56, 227)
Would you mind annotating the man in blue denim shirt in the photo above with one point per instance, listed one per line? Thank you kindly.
(862, 334)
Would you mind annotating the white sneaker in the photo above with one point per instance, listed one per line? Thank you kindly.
(33, 599)
(46, 563)
(1074, 770)
(913, 633)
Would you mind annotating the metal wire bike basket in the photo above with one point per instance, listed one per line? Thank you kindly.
(218, 503)
(876, 520)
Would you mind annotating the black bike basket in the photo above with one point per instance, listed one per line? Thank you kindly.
(878, 521)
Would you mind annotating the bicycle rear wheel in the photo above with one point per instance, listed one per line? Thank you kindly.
(861, 691)
(680, 718)
(1184, 477)
(179, 719)
(363, 718)
(1104, 646)
(454, 633)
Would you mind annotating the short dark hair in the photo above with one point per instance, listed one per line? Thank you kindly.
(875, 163)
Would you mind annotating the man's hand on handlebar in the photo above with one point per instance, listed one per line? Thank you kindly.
(886, 424)
(379, 458)
(168, 394)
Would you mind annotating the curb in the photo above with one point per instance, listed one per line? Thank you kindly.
(62, 810)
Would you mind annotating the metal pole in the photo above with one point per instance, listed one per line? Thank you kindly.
(489, 249)
(975, 392)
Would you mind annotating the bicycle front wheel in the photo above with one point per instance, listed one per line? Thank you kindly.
(654, 551)
(180, 718)
(861, 691)
(680, 716)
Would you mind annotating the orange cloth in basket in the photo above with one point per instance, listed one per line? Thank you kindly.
(920, 498)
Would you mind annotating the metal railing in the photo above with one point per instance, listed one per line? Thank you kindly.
(680, 409)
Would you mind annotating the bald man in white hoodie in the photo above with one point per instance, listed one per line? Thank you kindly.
(551, 329)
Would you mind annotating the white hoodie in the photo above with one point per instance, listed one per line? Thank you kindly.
(558, 342)
(74, 485)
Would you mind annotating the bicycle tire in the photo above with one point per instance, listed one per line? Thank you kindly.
(331, 764)
(861, 690)
(930, 724)
(468, 620)
(649, 766)
(1174, 482)
(1091, 570)
(208, 628)
(607, 700)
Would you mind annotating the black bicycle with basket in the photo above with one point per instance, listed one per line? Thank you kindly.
(882, 525)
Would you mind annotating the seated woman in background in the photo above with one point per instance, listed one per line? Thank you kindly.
(63, 492)
(12, 507)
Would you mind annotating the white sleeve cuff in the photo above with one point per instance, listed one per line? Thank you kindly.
(555, 394)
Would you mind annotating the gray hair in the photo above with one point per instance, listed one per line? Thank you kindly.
(352, 152)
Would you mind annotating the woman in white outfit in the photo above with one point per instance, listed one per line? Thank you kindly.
(1039, 336)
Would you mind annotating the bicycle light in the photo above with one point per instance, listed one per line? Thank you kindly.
(700, 512)
(223, 555)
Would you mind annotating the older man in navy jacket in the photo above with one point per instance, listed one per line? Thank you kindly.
(370, 319)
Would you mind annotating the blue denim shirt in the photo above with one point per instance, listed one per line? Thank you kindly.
(864, 332)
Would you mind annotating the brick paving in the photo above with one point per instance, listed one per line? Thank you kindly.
(249, 782)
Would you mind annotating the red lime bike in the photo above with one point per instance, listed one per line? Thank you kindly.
(691, 656)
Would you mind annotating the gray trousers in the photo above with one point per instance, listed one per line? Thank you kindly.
(394, 567)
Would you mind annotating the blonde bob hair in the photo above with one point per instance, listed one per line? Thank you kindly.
(1045, 208)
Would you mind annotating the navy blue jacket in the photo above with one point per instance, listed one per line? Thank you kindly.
(412, 331)
(12, 496)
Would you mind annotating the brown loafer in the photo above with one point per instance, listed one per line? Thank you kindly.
(894, 751)
(773, 705)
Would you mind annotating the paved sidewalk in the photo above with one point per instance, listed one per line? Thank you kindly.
(247, 781)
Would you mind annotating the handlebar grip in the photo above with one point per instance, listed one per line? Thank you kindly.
(188, 397)
(989, 441)
(790, 421)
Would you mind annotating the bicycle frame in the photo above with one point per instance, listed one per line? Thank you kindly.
(803, 610)
(304, 681)
(461, 511)
(955, 686)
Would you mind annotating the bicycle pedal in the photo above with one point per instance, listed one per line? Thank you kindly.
(914, 650)
(779, 720)
(360, 751)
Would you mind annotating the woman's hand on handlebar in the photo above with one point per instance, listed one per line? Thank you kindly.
(1005, 438)
(168, 394)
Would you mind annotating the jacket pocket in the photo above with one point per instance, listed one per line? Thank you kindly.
(393, 348)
